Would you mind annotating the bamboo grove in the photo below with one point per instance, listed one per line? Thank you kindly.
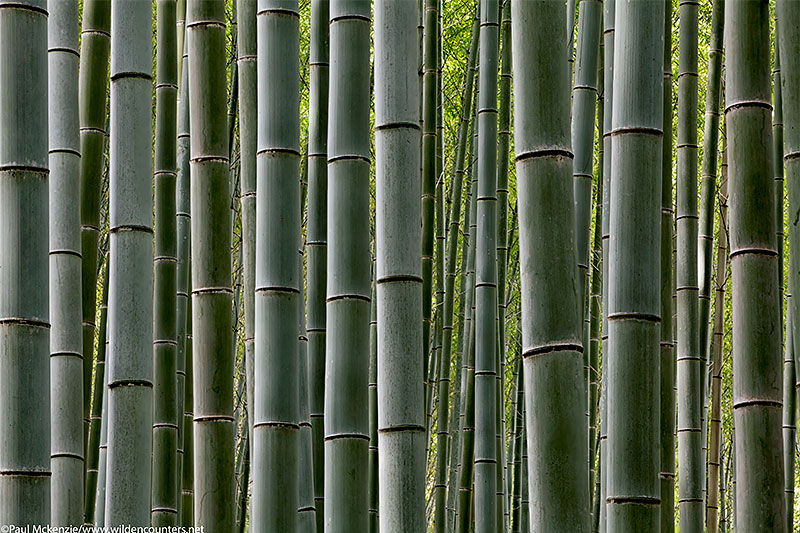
(400, 265)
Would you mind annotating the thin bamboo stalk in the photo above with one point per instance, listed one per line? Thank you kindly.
(67, 451)
(92, 93)
(130, 354)
(373, 409)
(552, 348)
(187, 473)
(306, 513)
(102, 456)
(165, 414)
(316, 238)
(756, 318)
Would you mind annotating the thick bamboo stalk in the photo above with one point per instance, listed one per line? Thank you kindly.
(486, 276)
(757, 398)
(248, 127)
(92, 93)
(346, 366)
(609, 30)
(551, 342)
(691, 463)
(713, 506)
(66, 349)
(165, 413)
(316, 238)
(401, 425)
(130, 355)
(98, 414)
(276, 428)
(667, 288)
(634, 313)
(214, 494)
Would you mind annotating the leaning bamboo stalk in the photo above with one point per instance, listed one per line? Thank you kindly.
(757, 398)
(92, 93)
(316, 239)
(98, 414)
(667, 287)
(713, 506)
(212, 295)
(347, 327)
(401, 424)
(165, 413)
(66, 357)
(552, 350)
(130, 361)
(634, 313)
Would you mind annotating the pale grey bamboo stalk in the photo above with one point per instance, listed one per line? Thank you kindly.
(130, 353)
(401, 424)
(66, 341)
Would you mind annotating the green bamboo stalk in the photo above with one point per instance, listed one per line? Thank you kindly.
(306, 513)
(346, 375)
(552, 350)
(130, 366)
(66, 357)
(754, 262)
(691, 466)
(102, 456)
(276, 427)
(187, 472)
(183, 316)
(667, 361)
(609, 10)
(92, 93)
(165, 414)
(180, 31)
(524, 497)
(212, 296)
(93, 449)
(789, 398)
(373, 409)
(401, 425)
(518, 444)
(584, 101)
(429, 107)
(486, 276)
(709, 183)
(715, 503)
(248, 108)
(316, 238)
(634, 314)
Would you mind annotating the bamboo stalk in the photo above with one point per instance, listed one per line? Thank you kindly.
(552, 342)
(130, 354)
(634, 313)
(757, 398)
(67, 451)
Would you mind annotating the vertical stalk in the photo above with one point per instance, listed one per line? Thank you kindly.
(714, 505)
(486, 276)
(306, 513)
(187, 472)
(757, 398)
(278, 220)
(551, 342)
(348, 292)
(667, 288)
(92, 94)
(66, 357)
(212, 296)
(316, 238)
(165, 414)
(130, 365)
(102, 456)
(374, 526)
(634, 303)
(401, 425)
